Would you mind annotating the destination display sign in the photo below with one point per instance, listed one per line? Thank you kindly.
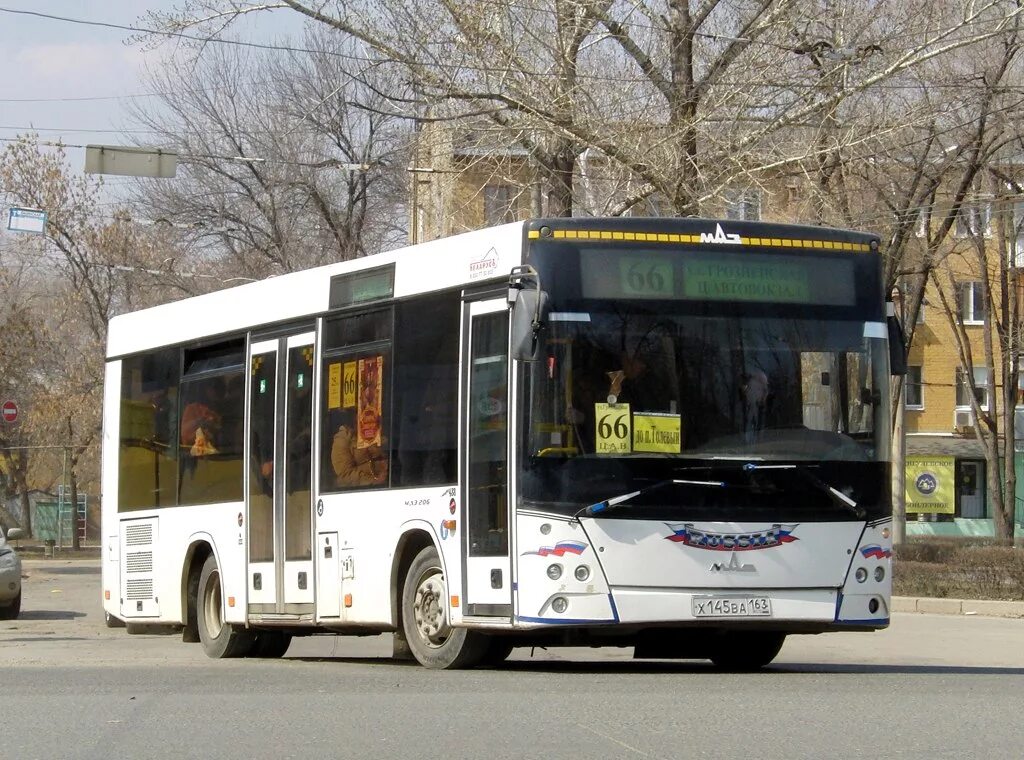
(748, 276)
(747, 281)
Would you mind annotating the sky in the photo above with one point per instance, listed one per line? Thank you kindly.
(72, 81)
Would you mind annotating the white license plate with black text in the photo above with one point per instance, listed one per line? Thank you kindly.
(731, 606)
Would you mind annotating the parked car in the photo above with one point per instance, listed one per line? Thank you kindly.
(10, 576)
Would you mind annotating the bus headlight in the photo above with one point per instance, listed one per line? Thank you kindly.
(554, 571)
(879, 573)
(861, 575)
(559, 604)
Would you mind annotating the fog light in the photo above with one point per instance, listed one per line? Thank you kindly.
(861, 575)
(554, 571)
(582, 573)
(873, 606)
(886, 532)
(879, 573)
(559, 604)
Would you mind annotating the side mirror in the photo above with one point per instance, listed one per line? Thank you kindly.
(15, 533)
(529, 312)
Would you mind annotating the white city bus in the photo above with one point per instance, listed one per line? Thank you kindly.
(670, 434)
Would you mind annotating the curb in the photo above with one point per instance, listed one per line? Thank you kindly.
(988, 608)
(37, 553)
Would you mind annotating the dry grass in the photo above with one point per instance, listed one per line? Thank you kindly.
(959, 569)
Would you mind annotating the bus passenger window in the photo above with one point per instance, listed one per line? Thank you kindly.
(354, 440)
(148, 472)
(210, 433)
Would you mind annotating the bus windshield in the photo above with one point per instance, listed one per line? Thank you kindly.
(627, 393)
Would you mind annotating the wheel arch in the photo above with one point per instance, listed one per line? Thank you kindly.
(201, 546)
(414, 539)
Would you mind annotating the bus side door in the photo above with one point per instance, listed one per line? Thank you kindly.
(484, 470)
(280, 571)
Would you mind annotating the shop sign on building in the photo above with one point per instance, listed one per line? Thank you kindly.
(930, 485)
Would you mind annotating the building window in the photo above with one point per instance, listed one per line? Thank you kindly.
(913, 388)
(499, 204)
(1017, 250)
(743, 205)
(972, 303)
(970, 482)
(981, 388)
(974, 218)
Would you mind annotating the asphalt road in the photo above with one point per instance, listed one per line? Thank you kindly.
(929, 687)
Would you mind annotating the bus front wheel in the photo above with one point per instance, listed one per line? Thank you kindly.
(746, 650)
(219, 639)
(433, 641)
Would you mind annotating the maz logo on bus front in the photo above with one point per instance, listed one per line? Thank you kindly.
(720, 236)
(727, 542)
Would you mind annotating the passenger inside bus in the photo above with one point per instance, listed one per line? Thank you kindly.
(354, 465)
(201, 420)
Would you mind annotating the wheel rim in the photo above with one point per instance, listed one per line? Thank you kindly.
(429, 610)
(211, 606)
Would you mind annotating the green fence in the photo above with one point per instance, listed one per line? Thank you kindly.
(44, 520)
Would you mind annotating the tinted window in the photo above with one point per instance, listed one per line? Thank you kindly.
(149, 414)
(211, 428)
(426, 392)
(354, 441)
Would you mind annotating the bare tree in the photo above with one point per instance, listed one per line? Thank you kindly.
(62, 289)
(286, 162)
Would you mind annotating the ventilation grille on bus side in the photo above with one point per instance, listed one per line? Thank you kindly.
(138, 535)
(140, 588)
(139, 562)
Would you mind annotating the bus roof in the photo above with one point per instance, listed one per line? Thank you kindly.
(460, 260)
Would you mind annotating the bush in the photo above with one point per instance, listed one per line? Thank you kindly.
(959, 568)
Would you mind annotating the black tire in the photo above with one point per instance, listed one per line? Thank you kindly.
(498, 650)
(742, 651)
(219, 639)
(11, 610)
(112, 621)
(434, 643)
(270, 644)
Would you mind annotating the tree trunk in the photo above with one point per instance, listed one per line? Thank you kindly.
(899, 474)
(76, 539)
(560, 192)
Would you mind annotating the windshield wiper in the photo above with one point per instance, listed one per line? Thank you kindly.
(604, 506)
(838, 497)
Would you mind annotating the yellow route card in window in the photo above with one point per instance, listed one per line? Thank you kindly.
(657, 433)
(613, 428)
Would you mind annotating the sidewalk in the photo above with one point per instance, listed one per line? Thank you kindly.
(30, 549)
(988, 608)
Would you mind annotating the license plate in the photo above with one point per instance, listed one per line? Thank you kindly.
(731, 606)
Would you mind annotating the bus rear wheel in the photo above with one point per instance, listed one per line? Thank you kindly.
(432, 639)
(270, 644)
(219, 639)
(746, 650)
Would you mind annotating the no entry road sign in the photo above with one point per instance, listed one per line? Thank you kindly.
(9, 411)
